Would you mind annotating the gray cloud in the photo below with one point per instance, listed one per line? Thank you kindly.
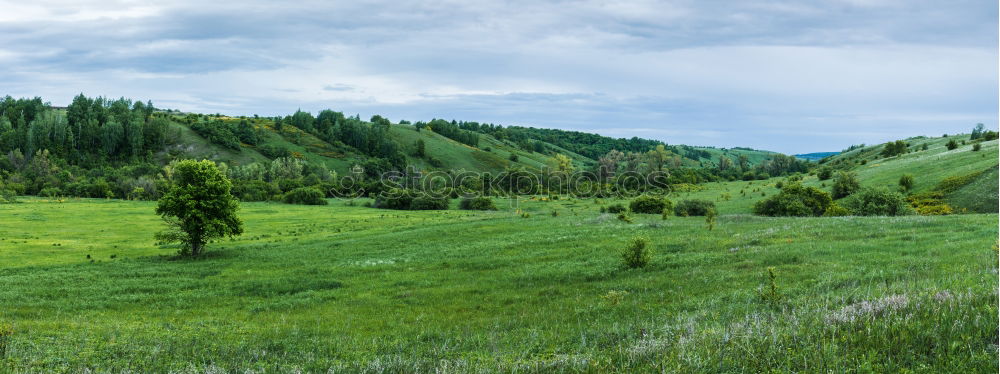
(790, 76)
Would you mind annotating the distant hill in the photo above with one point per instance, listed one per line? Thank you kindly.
(816, 156)
(530, 148)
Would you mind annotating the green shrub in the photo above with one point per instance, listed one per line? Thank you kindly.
(769, 294)
(894, 148)
(274, 152)
(952, 144)
(616, 208)
(50, 192)
(636, 253)
(906, 182)
(877, 201)
(255, 190)
(976, 147)
(824, 173)
(845, 184)
(650, 205)
(7, 196)
(477, 203)
(287, 185)
(694, 207)
(624, 217)
(795, 200)
(305, 196)
(396, 198)
(710, 219)
(429, 203)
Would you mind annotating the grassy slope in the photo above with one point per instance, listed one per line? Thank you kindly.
(368, 290)
(928, 167)
(755, 157)
(979, 196)
(194, 146)
(451, 154)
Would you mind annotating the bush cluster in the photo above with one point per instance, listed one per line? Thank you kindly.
(795, 200)
(824, 173)
(406, 199)
(305, 196)
(878, 201)
(615, 208)
(477, 203)
(429, 203)
(650, 205)
(694, 207)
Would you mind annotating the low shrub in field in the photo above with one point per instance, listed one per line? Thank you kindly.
(650, 205)
(305, 196)
(769, 293)
(710, 219)
(7, 196)
(396, 198)
(477, 203)
(624, 217)
(616, 208)
(794, 200)
(636, 253)
(877, 201)
(50, 192)
(255, 190)
(951, 145)
(429, 203)
(686, 208)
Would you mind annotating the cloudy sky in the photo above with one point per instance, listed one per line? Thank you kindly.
(790, 76)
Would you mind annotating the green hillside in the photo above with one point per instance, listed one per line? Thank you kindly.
(442, 153)
(977, 170)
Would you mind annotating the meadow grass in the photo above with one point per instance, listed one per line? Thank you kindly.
(355, 289)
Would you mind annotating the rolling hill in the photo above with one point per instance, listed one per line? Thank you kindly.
(441, 153)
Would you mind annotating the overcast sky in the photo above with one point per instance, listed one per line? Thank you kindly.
(789, 76)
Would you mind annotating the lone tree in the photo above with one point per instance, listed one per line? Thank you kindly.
(198, 207)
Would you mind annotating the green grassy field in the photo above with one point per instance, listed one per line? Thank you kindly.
(357, 289)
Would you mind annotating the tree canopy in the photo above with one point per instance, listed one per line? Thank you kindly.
(198, 206)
